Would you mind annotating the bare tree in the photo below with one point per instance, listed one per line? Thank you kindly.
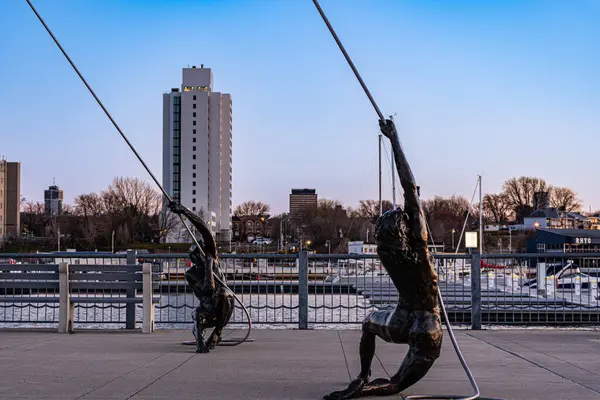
(68, 209)
(520, 193)
(134, 203)
(564, 199)
(33, 218)
(251, 208)
(370, 209)
(445, 214)
(90, 208)
(497, 208)
(325, 222)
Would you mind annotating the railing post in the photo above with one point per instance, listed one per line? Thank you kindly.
(65, 307)
(130, 293)
(148, 305)
(303, 289)
(475, 290)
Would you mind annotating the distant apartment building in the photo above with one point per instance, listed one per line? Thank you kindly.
(197, 146)
(302, 200)
(53, 201)
(10, 199)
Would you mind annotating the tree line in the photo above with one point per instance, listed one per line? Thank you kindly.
(444, 214)
(129, 211)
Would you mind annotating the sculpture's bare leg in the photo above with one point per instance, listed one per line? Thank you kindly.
(224, 312)
(375, 325)
(425, 340)
(200, 328)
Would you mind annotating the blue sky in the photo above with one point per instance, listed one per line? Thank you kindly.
(498, 88)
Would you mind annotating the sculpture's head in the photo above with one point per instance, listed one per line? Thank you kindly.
(390, 231)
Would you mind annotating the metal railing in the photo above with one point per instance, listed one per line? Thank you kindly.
(310, 290)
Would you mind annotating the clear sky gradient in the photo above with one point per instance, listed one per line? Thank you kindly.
(498, 88)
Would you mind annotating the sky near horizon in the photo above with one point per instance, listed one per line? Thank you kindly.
(498, 88)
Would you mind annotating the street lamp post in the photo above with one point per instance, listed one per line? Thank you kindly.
(328, 244)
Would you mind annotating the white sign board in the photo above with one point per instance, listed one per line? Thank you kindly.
(471, 240)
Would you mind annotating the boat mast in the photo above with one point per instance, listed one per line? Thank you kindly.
(380, 200)
(480, 218)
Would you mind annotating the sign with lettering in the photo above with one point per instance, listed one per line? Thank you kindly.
(583, 240)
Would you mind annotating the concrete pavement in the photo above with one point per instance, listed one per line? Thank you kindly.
(287, 364)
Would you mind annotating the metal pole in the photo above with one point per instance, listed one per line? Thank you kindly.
(281, 233)
(337, 40)
(303, 289)
(141, 161)
(475, 290)
(380, 200)
(480, 219)
(394, 177)
(113, 122)
(393, 184)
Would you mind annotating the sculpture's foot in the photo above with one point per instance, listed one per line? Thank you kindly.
(353, 391)
(213, 341)
(380, 387)
(201, 347)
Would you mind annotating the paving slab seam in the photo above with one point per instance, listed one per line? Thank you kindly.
(123, 375)
(162, 376)
(556, 358)
(533, 362)
(388, 374)
(344, 353)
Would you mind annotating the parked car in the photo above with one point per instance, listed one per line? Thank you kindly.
(262, 241)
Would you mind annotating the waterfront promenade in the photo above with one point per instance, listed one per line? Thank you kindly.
(286, 364)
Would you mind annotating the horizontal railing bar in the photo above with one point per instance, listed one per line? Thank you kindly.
(29, 267)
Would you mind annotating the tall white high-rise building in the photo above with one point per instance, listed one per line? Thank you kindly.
(197, 146)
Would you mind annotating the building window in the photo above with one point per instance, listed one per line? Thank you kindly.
(194, 97)
(188, 89)
(202, 88)
(541, 247)
(194, 175)
(193, 208)
(194, 105)
(194, 200)
(193, 166)
(194, 148)
(193, 183)
(193, 122)
(193, 156)
(194, 191)
(194, 114)
(194, 131)
(194, 140)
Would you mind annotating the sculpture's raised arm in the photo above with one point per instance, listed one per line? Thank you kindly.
(412, 204)
(209, 242)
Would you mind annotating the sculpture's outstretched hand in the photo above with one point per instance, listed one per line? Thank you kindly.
(388, 128)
